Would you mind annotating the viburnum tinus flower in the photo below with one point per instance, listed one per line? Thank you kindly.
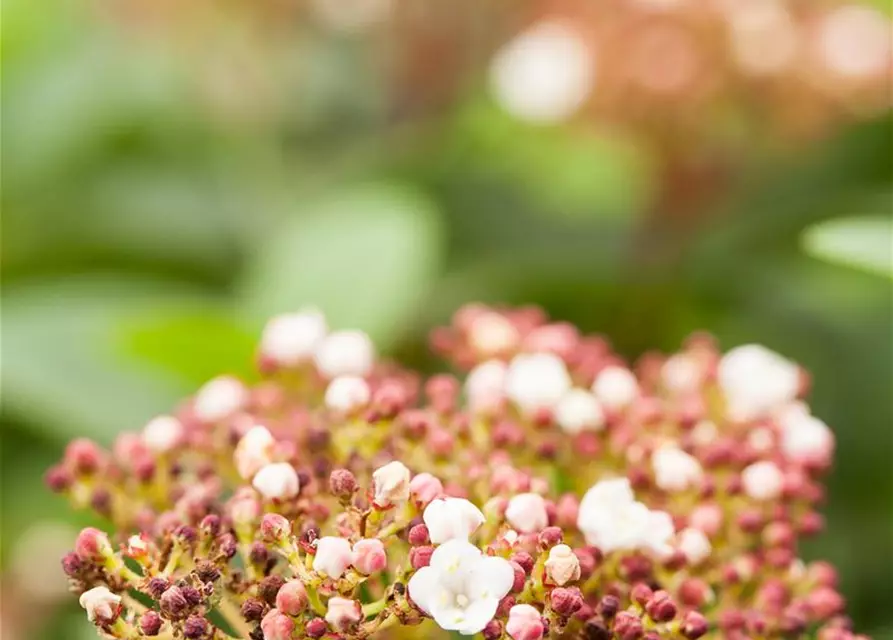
(566, 494)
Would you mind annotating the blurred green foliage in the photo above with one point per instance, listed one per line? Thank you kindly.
(148, 232)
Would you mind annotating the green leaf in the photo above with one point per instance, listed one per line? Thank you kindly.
(365, 256)
(65, 365)
(864, 243)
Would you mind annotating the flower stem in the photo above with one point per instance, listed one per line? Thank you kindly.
(233, 616)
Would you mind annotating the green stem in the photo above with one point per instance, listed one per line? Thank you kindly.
(233, 616)
(374, 608)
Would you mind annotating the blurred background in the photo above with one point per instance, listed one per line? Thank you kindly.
(175, 172)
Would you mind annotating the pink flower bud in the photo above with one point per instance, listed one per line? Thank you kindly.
(83, 456)
(708, 518)
(390, 485)
(694, 545)
(277, 626)
(762, 481)
(420, 556)
(565, 602)
(102, 605)
(520, 577)
(333, 556)
(274, 528)
(151, 623)
(291, 598)
(525, 623)
(562, 566)
(627, 626)
(660, 607)
(92, 544)
(549, 537)
(694, 625)
(342, 613)
(527, 513)
(316, 628)
(369, 556)
(424, 488)
(567, 510)
(163, 433)
(218, 399)
(418, 535)
(825, 602)
(346, 394)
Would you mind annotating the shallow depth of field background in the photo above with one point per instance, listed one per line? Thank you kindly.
(175, 172)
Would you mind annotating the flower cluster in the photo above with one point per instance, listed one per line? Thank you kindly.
(550, 491)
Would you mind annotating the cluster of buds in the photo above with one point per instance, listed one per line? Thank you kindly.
(550, 491)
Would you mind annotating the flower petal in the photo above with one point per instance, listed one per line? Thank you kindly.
(453, 560)
(477, 615)
(424, 588)
(491, 577)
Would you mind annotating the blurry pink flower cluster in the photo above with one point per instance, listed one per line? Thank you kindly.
(549, 491)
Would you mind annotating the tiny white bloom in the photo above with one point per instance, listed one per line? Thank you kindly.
(277, 481)
(451, 518)
(611, 519)
(762, 480)
(562, 565)
(704, 432)
(291, 338)
(537, 380)
(101, 604)
(578, 410)
(333, 556)
(680, 373)
(219, 399)
(254, 451)
(163, 433)
(526, 512)
(347, 393)
(756, 381)
(485, 385)
(803, 436)
(492, 333)
(345, 353)
(694, 545)
(390, 484)
(675, 470)
(461, 588)
(854, 41)
(615, 387)
(545, 74)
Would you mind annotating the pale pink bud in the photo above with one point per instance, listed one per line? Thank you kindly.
(694, 545)
(424, 488)
(369, 556)
(390, 484)
(537, 381)
(277, 481)
(708, 518)
(102, 605)
(333, 556)
(567, 510)
(762, 480)
(492, 334)
(562, 565)
(163, 433)
(578, 410)
(219, 399)
(290, 339)
(527, 513)
(346, 394)
(345, 353)
(615, 387)
(244, 507)
(254, 451)
(274, 528)
(277, 626)
(292, 598)
(525, 623)
(92, 544)
(485, 384)
(675, 470)
(343, 614)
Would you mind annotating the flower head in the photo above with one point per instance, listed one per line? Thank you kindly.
(102, 605)
(461, 588)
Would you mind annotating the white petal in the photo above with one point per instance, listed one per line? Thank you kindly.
(492, 577)
(453, 561)
(424, 588)
(477, 615)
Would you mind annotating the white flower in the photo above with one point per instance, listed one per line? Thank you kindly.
(333, 556)
(390, 484)
(254, 451)
(461, 588)
(762, 480)
(615, 387)
(162, 434)
(345, 353)
(347, 393)
(277, 481)
(578, 410)
(694, 545)
(545, 74)
(526, 512)
(492, 333)
(680, 373)
(291, 338)
(611, 519)
(101, 604)
(537, 380)
(562, 565)
(485, 385)
(804, 437)
(675, 470)
(451, 518)
(219, 399)
(756, 381)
